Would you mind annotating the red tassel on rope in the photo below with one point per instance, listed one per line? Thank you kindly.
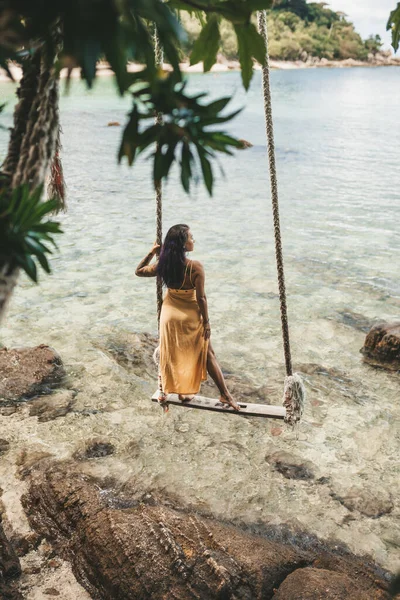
(57, 188)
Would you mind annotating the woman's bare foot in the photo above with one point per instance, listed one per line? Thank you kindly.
(185, 397)
(227, 399)
(163, 401)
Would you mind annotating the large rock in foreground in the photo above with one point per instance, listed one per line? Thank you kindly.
(382, 346)
(143, 548)
(28, 372)
(10, 569)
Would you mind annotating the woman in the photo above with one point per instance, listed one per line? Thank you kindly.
(186, 353)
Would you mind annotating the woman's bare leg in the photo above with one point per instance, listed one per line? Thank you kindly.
(215, 373)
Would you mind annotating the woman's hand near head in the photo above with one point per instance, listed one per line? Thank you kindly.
(144, 269)
(155, 249)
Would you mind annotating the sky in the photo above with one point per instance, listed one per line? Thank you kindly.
(368, 16)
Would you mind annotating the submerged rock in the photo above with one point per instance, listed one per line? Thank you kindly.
(48, 408)
(133, 351)
(331, 372)
(371, 503)
(382, 346)
(96, 448)
(355, 320)
(4, 446)
(291, 467)
(153, 549)
(28, 372)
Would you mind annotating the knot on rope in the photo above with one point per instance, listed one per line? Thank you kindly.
(294, 395)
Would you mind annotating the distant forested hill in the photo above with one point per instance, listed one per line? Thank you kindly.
(299, 30)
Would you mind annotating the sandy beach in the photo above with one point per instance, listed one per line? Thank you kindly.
(223, 65)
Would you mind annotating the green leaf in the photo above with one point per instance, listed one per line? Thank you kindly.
(206, 169)
(225, 139)
(43, 236)
(393, 24)
(116, 56)
(250, 44)
(22, 202)
(128, 145)
(217, 105)
(186, 171)
(39, 212)
(206, 46)
(36, 247)
(158, 166)
(169, 158)
(257, 44)
(47, 227)
(91, 51)
(44, 263)
(149, 136)
(216, 120)
(28, 265)
(22, 232)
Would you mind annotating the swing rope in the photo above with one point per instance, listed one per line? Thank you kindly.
(159, 60)
(262, 24)
(294, 393)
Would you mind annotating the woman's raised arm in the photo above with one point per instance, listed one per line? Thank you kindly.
(144, 269)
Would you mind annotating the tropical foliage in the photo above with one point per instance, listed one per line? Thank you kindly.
(297, 30)
(87, 30)
(45, 36)
(24, 237)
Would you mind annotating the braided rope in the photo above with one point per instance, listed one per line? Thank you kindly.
(159, 59)
(39, 140)
(262, 26)
(26, 93)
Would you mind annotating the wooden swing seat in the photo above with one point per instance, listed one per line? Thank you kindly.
(246, 409)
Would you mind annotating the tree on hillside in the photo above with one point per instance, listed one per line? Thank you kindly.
(298, 7)
(323, 16)
(373, 44)
(45, 36)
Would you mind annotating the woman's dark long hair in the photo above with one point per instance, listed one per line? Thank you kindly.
(171, 264)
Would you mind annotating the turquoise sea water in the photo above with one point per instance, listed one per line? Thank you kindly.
(338, 163)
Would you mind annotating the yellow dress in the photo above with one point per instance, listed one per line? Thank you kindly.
(183, 349)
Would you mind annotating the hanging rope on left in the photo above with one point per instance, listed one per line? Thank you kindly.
(159, 59)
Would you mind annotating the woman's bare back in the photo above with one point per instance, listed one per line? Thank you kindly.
(191, 273)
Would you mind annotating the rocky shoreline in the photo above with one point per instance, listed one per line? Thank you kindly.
(73, 526)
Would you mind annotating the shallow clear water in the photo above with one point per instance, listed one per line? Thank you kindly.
(337, 137)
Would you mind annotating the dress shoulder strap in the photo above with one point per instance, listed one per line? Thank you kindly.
(184, 276)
